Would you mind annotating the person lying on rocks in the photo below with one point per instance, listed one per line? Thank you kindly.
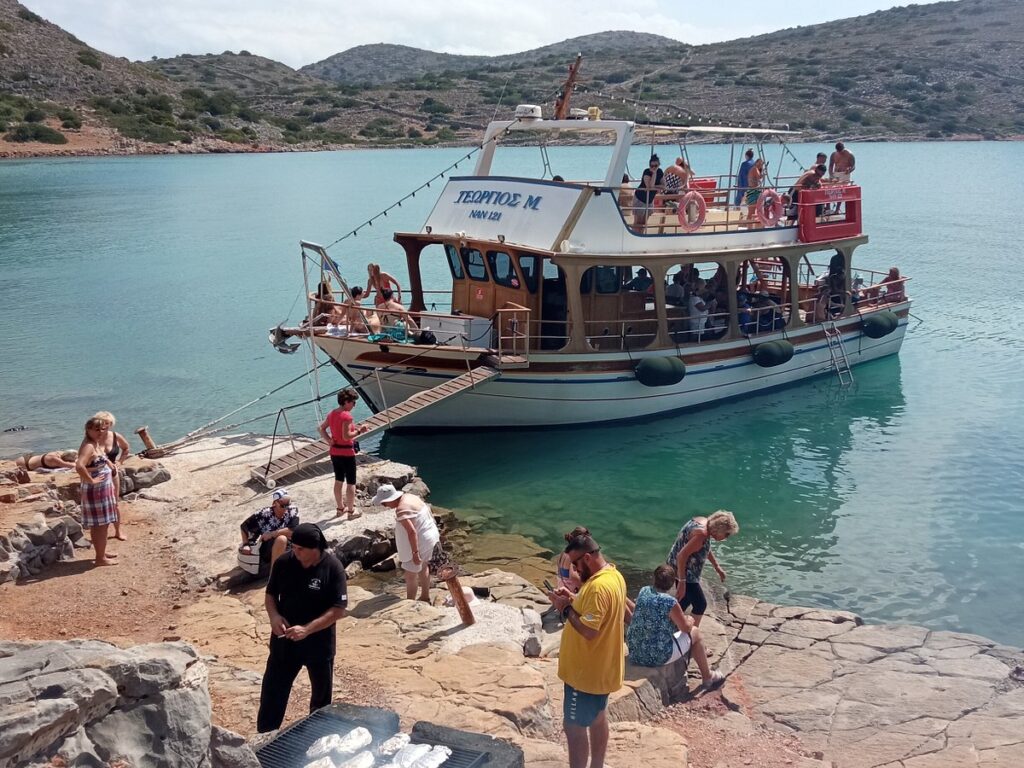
(33, 462)
(271, 528)
(659, 633)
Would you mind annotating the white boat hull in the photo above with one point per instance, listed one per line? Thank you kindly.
(531, 397)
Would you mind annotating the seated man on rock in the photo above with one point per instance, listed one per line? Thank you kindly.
(659, 633)
(271, 528)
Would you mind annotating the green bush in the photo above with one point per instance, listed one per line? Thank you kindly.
(34, 116)
(36, 132)
(211, 122)
(433, 107)
(90, 59)
(446, 134)
(20, 76)
(27, 15)
(413, 133)
(69, 119)
(248, 114)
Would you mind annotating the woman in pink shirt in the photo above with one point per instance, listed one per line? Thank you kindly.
(340, 431)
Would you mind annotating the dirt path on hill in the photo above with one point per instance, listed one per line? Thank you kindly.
(133, 602)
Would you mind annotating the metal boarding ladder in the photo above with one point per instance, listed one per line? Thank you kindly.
(268, 474)
(837, 350)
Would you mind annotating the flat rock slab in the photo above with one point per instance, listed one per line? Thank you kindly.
(869, 696)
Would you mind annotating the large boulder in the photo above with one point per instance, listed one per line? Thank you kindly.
(89, 703)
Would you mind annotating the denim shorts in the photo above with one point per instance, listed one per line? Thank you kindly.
(581, 708)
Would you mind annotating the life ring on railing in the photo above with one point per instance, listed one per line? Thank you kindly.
(692, 198)
(769, 208)
(378, 281)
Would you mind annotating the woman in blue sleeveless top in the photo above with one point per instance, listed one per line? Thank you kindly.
(692, 547)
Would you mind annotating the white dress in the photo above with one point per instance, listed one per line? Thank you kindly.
(427, 536)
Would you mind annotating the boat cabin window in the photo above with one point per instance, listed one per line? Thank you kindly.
(502, 269)
(528, 266)
(474, 262)
(763, 296)
(602, 279)
(454, 264)
(618, 307)
(697, 302)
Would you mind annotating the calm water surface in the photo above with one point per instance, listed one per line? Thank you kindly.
(145, 286)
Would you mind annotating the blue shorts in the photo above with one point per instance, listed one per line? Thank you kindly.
(581, 708)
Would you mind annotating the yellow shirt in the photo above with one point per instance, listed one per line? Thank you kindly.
(596, 666)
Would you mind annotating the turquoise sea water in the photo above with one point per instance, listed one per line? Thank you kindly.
(145, 286)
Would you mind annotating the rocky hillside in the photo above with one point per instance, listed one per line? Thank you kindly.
(384, 63)
(944, 70)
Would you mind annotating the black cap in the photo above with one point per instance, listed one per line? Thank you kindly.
(309, 536)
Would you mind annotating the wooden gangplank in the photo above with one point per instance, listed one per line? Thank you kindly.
(311, 453)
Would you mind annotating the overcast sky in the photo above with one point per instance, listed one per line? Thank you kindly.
(299, 33)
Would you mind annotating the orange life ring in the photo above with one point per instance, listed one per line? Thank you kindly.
(697, 199)
(769, 208)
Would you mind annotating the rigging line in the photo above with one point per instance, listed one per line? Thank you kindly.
(265, 395)
(501, 97)
(398, 203)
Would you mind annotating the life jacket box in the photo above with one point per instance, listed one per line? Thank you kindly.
(468, 329)
(250, 562)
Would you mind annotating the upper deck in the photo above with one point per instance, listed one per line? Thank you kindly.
(599, 216)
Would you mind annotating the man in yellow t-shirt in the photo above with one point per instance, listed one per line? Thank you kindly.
(591, 660)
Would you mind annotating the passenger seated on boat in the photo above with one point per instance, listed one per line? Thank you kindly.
(393, 315)
(744, 317)
(651, 183)
(769, 315)
(356, 318)
(892, 284)
(677, 181)
(677, 293)
(857, 290)
(641, 282)
(324, 305)
(698, 309)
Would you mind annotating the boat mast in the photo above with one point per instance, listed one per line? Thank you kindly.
(562, 102)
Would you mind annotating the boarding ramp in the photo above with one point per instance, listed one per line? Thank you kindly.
(268, 474)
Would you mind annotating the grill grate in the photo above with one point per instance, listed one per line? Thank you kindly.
(288, 749)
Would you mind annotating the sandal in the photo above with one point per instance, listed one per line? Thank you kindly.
(354, 514)
(715, 681)
(339, 512)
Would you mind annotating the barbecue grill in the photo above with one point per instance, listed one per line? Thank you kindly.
(288, 748)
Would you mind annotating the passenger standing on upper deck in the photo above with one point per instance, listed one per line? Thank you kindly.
(743, 175)
(651, 183)
(754, 181)
(677, 179)
(841, 164)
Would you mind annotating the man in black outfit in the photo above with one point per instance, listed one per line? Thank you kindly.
(306, 595)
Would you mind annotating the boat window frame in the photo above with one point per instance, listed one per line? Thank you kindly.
(530, 279)
(590, 282)
(454, 262)
(514, 281)
(465, 252)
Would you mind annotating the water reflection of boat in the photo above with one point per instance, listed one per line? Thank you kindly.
(594, 306)
(782, 463)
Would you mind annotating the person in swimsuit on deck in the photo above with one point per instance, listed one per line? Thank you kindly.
(755, 178)
(99, 499)
(567, 576)
(692, 547)
(117, 449)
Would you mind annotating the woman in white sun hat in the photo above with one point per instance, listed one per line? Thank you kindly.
(416, 535)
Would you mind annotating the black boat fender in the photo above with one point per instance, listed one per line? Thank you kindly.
(660, 371)
(773, 353)
(880, 324)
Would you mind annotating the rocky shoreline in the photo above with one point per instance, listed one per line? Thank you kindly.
(845, 693)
